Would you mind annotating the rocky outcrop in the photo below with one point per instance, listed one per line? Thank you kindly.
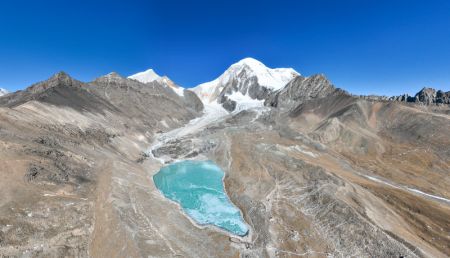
(426, 96)
(442, 97)
(402, 98)
(192, 101)
(373, 97)
(227, 103)
(430, 96)
(246, 86)
(301, 89)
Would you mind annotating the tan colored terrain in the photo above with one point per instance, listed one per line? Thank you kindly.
(335, 176)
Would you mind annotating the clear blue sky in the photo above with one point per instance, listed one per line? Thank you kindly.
(383, 47)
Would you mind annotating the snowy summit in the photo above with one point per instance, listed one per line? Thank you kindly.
(3, 92)
(146, 76)
(244, 81)
(150, 76)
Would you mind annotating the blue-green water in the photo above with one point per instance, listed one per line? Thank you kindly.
(197, 186)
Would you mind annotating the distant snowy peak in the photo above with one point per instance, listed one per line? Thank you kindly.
(146, 76)
(151, 76)
(169, 83)
(250, 78)
(3, 92)
(271, 78)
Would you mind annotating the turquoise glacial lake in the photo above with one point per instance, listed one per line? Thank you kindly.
(198, 187)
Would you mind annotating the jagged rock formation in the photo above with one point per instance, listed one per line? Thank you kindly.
(374, 97)
(302, 89)
(430, 96)
(426, 96)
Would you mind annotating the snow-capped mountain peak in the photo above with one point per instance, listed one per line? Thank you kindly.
(250, 78)
(150, 76)
(146, 76)
(3, 92)
(271, 78)
(169, 83)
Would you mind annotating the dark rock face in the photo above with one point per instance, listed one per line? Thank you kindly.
(301, 89)
(442, 97)
(227, 103)
(426, 96)
(258, 92)
(246, 86)
(403, 98)
(192, 101)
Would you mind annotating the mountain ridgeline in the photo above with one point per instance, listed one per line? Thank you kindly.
(248, 82)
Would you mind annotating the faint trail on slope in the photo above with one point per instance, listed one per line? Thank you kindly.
(408, 189)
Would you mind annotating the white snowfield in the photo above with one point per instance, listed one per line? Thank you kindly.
(3, 92)
(146, 76)
(150, 75)
(247, 68)
(244, 102)
(168, 82)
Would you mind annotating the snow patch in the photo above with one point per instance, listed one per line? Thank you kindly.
(429, 195)
(3, 92)
(413, 190)
(244, 102)
(166, 82)
(145, 77)
(179, 91)
(164, 123)
(150, 76)
(270, 78)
